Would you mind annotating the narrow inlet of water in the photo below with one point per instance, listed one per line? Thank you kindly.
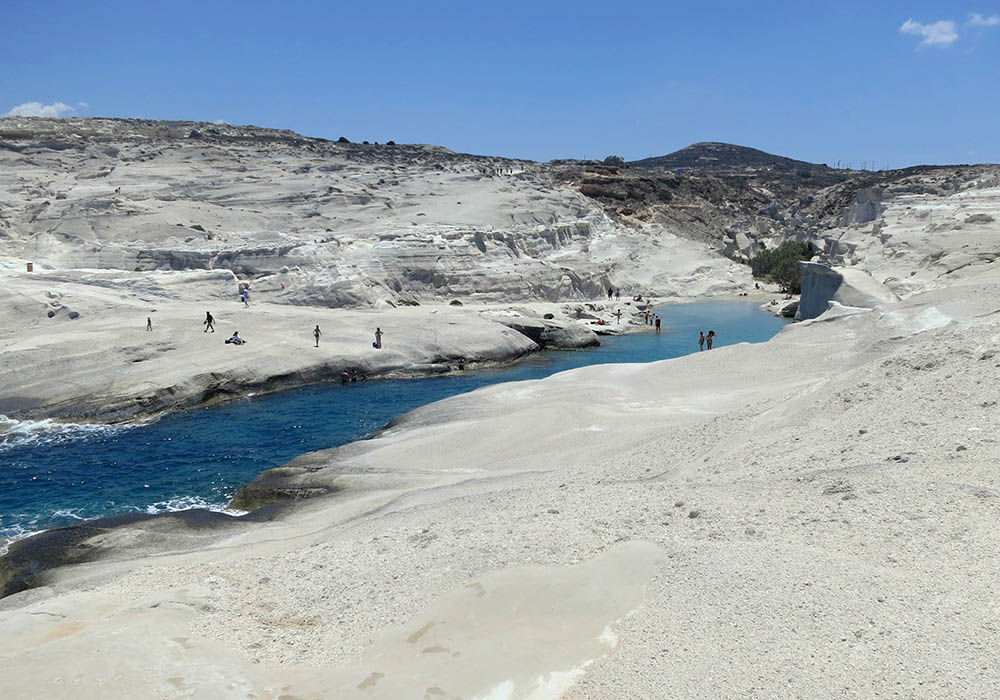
(199, 458)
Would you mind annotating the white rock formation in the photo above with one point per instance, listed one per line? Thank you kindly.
(845, 286)
(746, 518)
(324, 224)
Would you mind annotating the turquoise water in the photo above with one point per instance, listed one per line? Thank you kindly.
(57, 475)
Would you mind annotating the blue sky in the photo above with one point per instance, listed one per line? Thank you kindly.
(890, 83)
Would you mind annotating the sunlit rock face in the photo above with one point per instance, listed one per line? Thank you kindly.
(822, 285)
(315, 222)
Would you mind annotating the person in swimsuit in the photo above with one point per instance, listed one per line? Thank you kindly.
(316, 335)
(378, 339)
(149, 323)
(209, 322)
(701, 340)
(709, 338)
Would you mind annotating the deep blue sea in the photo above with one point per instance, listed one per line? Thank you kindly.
(53, 475)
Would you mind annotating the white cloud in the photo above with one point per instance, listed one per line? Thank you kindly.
(977, 20)
(37, 109)
(220, 122)
(939, 34)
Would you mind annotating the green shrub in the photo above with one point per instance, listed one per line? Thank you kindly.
(781, 264)
(614, 160)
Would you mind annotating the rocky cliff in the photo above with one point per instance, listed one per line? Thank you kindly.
(315, 222)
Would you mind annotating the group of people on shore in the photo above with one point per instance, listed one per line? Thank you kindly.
(652, 320)
(235, 339)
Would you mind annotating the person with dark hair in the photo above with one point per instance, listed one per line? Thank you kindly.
(149, 323)
(709, 338)
(378, 339)
(317, 334)
(701, 341)
(209, 322)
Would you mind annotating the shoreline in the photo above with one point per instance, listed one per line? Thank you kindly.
(138, 401)
(255, 494)
(182, 372)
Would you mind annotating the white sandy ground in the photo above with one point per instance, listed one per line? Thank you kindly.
(809, 517)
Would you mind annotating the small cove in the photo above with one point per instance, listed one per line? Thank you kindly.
(199, 458)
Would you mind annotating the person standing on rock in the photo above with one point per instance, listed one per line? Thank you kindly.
(149, 323)
(378, 339)
(619, 315)
(709, 338)
(317, 334)
(701, 340)
(618, 295)
(209, 322)
(246, 298)
(611, 293)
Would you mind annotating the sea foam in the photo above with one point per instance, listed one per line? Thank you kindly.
(28, 527)
(16, 433)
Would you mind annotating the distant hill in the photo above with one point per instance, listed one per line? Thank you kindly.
(728, 158)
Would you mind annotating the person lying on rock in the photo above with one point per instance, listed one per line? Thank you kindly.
(236, 339)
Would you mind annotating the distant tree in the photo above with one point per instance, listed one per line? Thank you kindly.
(343, 139)
(390, 143)
(781, 264)
(614, 160)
